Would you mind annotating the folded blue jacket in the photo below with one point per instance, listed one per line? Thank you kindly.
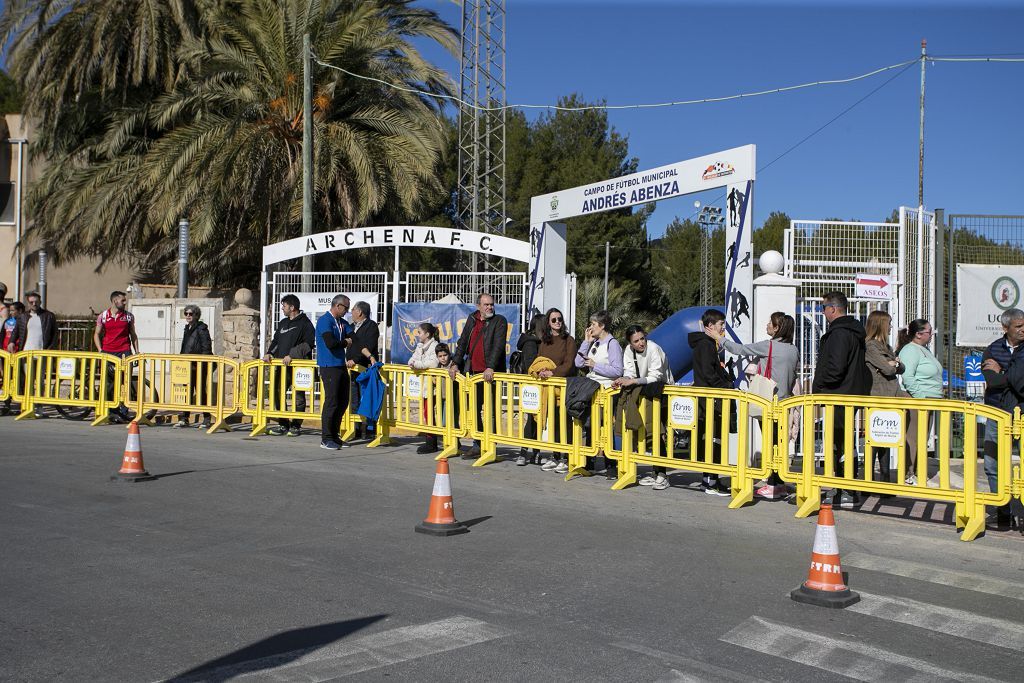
(371, 392)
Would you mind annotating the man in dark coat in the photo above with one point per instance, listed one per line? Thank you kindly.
(481, 350)
(294, 339)
(196, 341)
(364, 352)
(1002, 356)
(709, 371)
(841, 370)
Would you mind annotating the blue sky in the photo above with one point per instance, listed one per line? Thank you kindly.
(861, 166)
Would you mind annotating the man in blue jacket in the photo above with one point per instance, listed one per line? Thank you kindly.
(333, 336)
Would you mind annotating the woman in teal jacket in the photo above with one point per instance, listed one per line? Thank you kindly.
(923, 375)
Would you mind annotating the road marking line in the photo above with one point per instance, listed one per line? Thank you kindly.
(358, 655)
(932, 574)
(707, 672)
(859, 661)
(953, 622)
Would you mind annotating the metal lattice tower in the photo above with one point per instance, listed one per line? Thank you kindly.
(709, 219)
(481, 193)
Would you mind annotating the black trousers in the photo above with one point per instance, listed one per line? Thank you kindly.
(300, 401)
(839, 444)
(495, 405)
(197, 390)
(335, 401)
(701, 433)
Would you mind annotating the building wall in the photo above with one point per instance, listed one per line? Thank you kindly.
(74, 289)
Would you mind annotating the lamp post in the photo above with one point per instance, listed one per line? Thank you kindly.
(18, 226)
(183, 226)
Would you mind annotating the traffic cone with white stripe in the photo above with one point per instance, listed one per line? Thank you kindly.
(440, 519)
(132, 467)
(824, 586)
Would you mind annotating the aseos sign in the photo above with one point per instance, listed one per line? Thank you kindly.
(877, 287)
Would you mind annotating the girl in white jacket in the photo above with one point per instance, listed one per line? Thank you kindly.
(424, 357)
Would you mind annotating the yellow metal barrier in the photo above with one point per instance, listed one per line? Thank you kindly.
(693, 410)
(508, 399)
(181, 384)
(880, 424)
(425, 401)
(66, 379)
(5, 375)
(274, 390)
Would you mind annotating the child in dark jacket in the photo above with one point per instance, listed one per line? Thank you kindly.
(709, 371)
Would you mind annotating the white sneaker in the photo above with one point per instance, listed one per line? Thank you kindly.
(563, 467)
(549, 464)
(911, 480)
(661, 483)
(648, 480)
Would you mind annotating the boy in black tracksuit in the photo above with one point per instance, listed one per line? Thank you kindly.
(294, 339)
(709, 371)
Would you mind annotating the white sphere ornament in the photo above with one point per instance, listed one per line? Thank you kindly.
(771, 262)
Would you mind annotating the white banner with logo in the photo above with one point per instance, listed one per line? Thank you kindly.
(315, 304)
(731, 166)
(983, 293)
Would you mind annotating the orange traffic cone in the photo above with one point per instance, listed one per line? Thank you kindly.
(440, 519)
(824, 586)
(132, 467)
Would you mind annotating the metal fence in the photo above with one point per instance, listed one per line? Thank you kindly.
(75, 334)
(506, 288)
(977, 239)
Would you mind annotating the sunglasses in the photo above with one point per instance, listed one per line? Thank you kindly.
(189, 315)
(556, 320)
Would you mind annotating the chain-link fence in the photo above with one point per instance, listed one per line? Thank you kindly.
(972, 239)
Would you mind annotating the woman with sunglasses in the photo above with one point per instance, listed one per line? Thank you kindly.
(557, 345)
(196, 341)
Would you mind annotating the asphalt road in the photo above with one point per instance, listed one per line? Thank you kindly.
(271, 559)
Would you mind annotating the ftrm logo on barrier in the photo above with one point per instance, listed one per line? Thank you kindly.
(529, 398)
(683, 412)
(885, 427)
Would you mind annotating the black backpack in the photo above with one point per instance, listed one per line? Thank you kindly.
(515, 363)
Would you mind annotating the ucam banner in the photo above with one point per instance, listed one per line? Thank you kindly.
(449, 320)
(984, 292)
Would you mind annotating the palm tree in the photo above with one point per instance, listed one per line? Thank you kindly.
(623, 300)
(222, 143)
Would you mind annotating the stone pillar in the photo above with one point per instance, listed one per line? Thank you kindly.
(240, 329)
(773, 291)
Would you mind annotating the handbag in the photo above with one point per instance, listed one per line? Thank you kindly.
(763, 385)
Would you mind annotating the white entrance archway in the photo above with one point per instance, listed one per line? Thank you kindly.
(733, 169)
(544, 256)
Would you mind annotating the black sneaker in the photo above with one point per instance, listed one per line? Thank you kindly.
(425, 448)
(277, 430)
(294, 431)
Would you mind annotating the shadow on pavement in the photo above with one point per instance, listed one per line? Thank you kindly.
(274, 651)
(476, 520)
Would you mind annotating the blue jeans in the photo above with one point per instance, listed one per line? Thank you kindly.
(991, 463)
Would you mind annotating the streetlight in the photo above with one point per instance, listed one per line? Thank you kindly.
(18, 227)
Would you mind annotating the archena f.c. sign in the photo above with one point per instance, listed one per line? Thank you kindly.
(398, 236)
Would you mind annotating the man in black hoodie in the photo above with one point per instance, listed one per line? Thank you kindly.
(709, 371)
(841, 370)
(294, 340)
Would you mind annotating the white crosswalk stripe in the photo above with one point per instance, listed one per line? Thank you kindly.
(954, 622)
(933, 574)
(856, 660)
(358, 655)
